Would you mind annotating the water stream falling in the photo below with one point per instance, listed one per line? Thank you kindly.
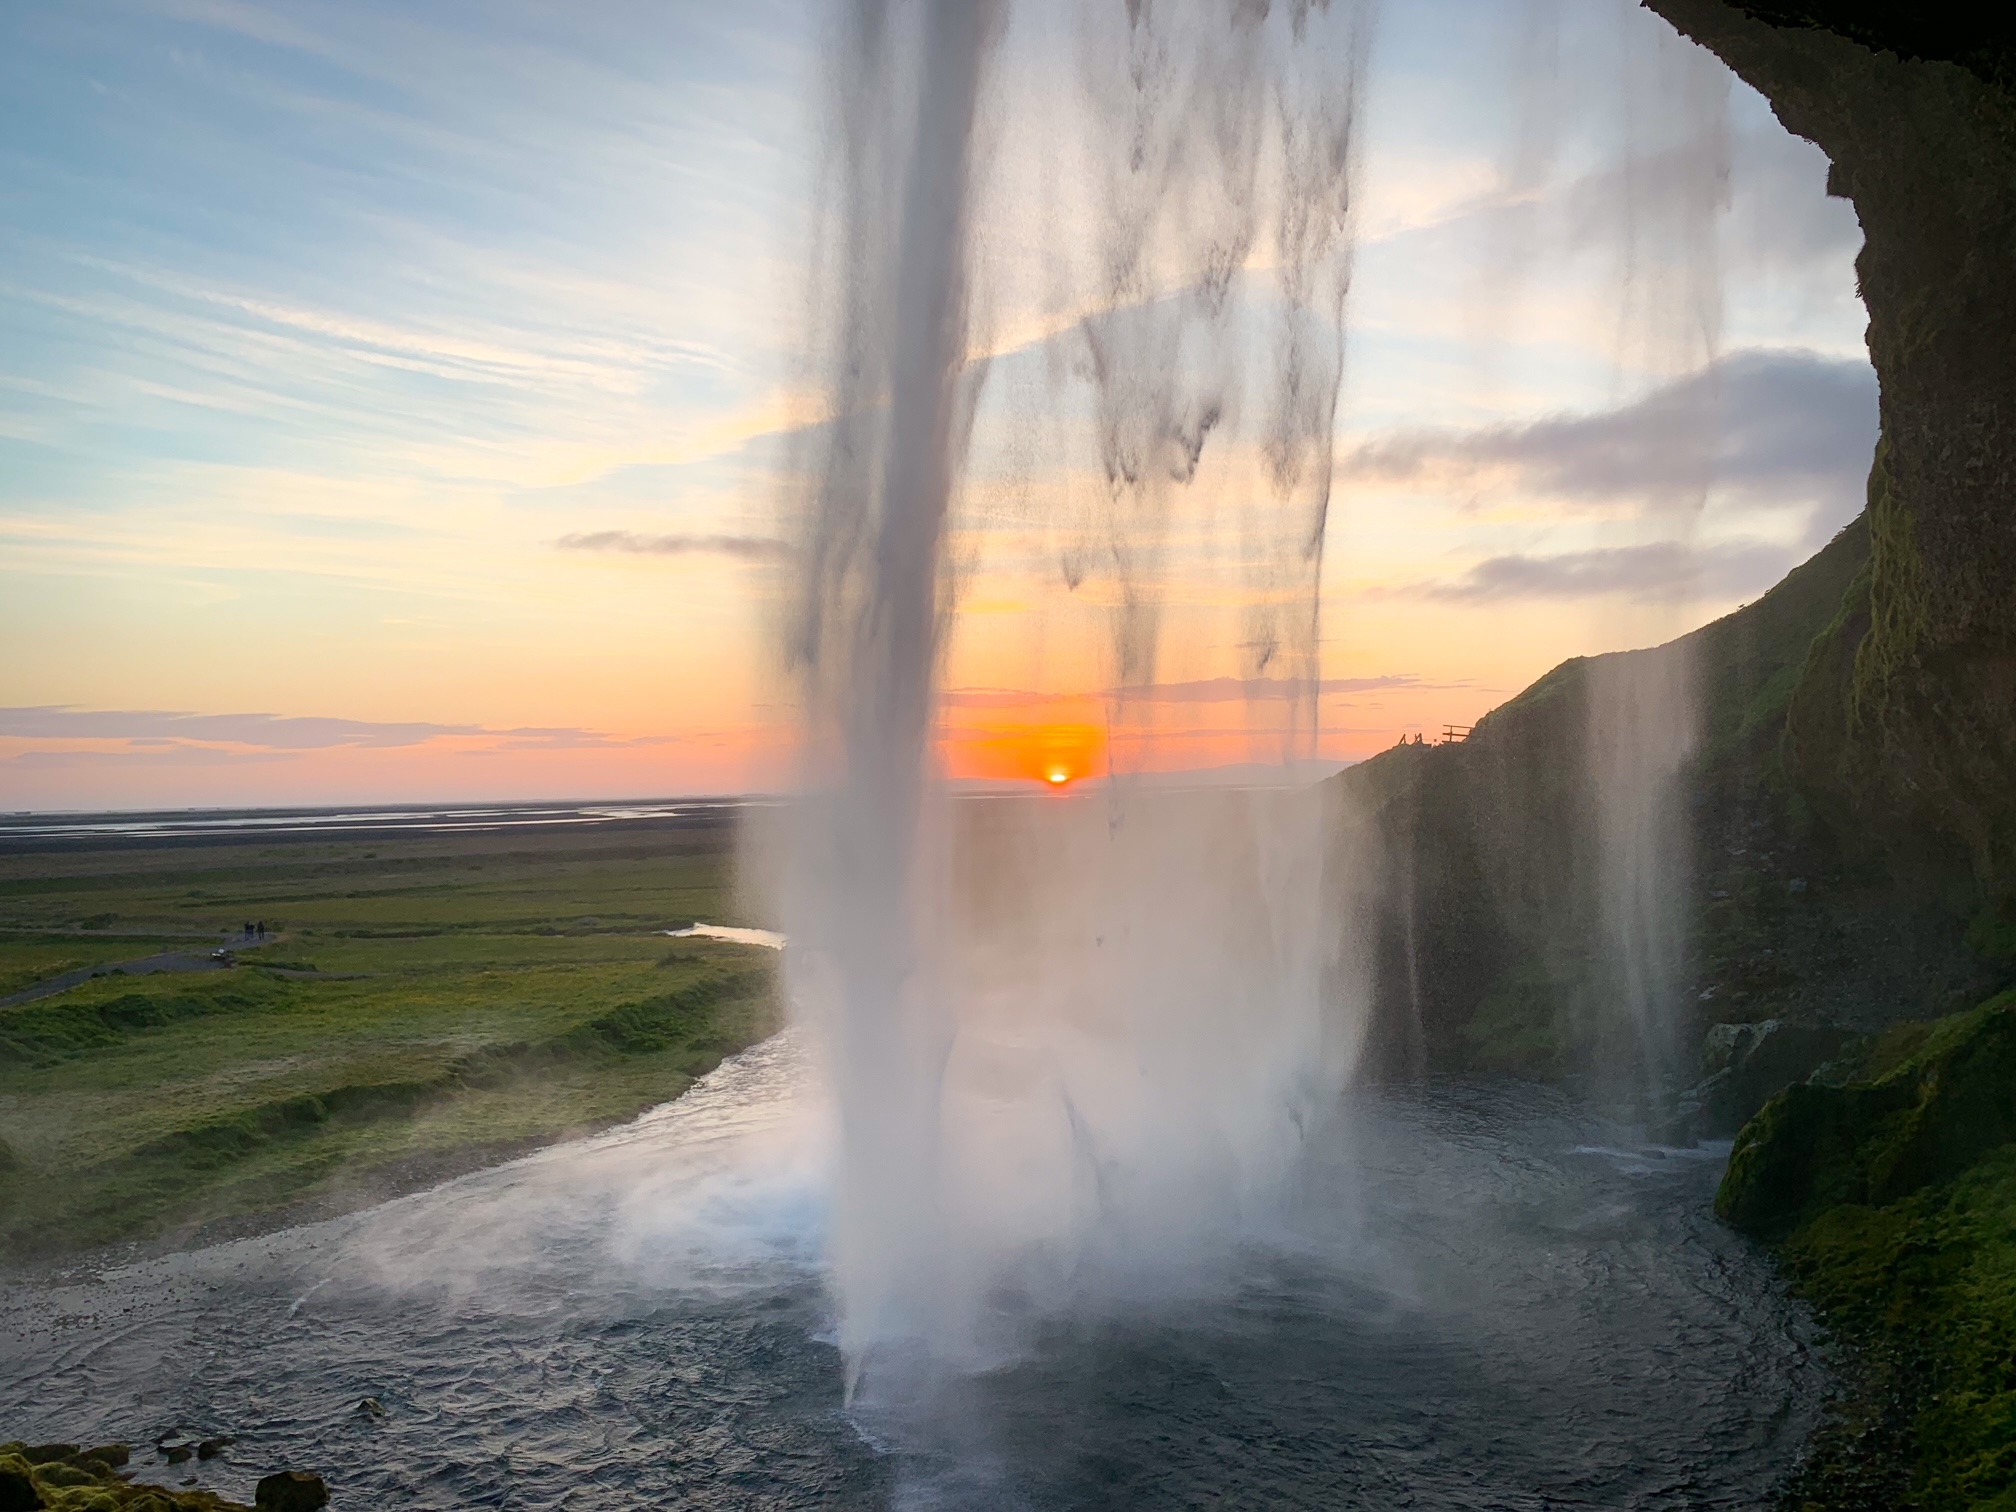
(1075, 1042)
(1663, 220)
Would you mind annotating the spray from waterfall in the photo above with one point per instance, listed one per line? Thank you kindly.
(1644, 712)
(1074, 1042)
(1651, 215)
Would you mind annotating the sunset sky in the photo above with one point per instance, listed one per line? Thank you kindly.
(394, 401)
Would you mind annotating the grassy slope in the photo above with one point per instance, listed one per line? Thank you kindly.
(476, 995)
(1893, 1201)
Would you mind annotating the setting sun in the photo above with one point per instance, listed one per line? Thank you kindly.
(1057, 776)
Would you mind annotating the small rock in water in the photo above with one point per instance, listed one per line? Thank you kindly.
(371, 1407)
(291, 1491)
(177, 1453)
(210, 1448)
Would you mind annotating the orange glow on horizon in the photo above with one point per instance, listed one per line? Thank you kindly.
(1049, 754)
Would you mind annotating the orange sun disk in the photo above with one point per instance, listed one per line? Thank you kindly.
(1052, 756)
(1065, 752)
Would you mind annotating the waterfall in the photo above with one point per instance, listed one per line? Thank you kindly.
(1074, 1040)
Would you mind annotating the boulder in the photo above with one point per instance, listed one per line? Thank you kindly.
(1870, 1143)
(63, 1473)
(1746, 1065)
(291, 1491)
(17, 1487)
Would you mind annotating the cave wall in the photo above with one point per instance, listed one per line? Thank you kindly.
(1904, 731)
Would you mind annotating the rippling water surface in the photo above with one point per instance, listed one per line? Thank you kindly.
(1476, 1300)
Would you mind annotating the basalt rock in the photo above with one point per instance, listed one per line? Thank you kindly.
(291, 1491)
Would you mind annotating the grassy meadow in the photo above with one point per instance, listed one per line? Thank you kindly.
(424, 1003)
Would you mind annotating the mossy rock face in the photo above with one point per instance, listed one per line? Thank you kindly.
(1892, 1202)
(1875, 1142)
(64, 1478)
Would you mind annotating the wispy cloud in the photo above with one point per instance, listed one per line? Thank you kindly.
(270, 731)
(1200, 691)
(172, 755)
(1246, 689)
(746, 547)
(164, 731)
(1658, 569)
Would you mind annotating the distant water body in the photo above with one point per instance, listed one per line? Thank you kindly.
(1478, 1299)
(344, 823)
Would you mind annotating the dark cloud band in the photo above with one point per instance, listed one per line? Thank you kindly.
(747, 548)
(1787, 426)
(1659, 569)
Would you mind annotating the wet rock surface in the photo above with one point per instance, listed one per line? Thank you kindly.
(1746, 1065)
(291, 1491)
(68, 1478)
(1889, 1193)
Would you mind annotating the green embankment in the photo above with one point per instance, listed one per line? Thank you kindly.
(425, 1005)
(1892, 1201)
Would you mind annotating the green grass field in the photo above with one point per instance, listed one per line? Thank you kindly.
(471, 996)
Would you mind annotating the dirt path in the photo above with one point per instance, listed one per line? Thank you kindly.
(172, 960)
(167, 960)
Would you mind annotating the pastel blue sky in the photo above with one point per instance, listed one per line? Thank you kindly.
(323, 326)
